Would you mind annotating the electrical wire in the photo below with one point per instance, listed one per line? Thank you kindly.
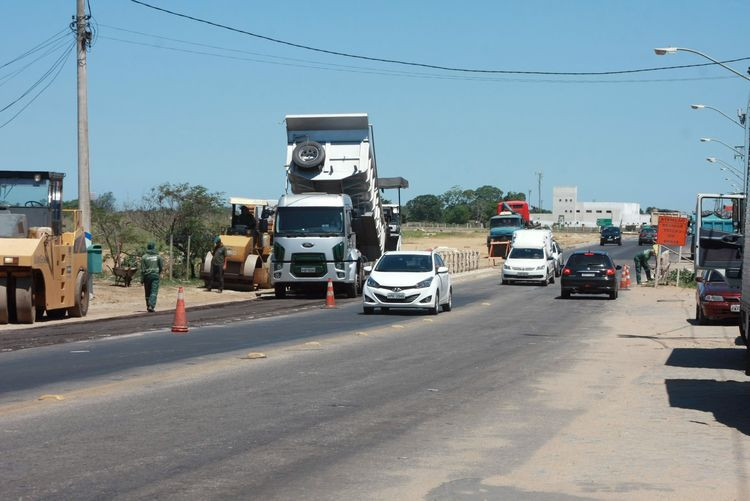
(425, 65)
(384, 72)
(51, 40)
(60, 65)
(8, 77)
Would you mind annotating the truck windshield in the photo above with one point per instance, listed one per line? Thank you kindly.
(24, 192)
(310, 221)
(499, 222)
(521, 253)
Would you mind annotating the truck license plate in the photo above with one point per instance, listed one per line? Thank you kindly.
(734, 307)
(396, 295)
(308, 269)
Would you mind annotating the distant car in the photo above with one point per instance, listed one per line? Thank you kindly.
(557, 253)
(408, 279)
(715, 298)
(610, 235)
(589, 272)
(647, 236)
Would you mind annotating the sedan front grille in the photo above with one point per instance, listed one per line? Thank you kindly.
(407, 299)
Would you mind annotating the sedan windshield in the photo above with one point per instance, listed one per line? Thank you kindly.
(310, 221)
(521, 253)
(409, 263)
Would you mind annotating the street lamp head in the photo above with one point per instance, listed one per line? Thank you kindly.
(697, 106)
(711, 159)
(705, 140)
(662, 51)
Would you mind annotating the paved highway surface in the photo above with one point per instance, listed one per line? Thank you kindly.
(346, 406)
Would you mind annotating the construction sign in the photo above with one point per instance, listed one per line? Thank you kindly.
(672, 230)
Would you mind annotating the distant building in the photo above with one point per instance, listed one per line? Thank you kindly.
(568, 211)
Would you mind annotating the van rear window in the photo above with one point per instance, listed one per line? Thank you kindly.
(521, 253)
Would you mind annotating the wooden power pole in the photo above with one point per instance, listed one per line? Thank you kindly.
(83, 40)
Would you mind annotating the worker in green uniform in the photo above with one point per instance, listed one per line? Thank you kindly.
(641, 261)
(218, 265)
(151, 267)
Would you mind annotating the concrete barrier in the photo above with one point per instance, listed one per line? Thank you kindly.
(459, 260)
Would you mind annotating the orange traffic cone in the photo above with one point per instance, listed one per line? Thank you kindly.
(330, 298)
(627, 277)
(180, 318)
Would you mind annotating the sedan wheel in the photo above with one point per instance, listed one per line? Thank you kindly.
(449, 305)
(699, 316)
(436, 308)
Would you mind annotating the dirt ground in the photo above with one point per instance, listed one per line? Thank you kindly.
(111, 300)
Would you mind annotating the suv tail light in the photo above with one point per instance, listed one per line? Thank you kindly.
(610, 271)
(566, 271)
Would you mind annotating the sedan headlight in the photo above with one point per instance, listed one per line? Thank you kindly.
(713, 298)
(506, 267)
(372, 283)
(424, 283)
(541, 267)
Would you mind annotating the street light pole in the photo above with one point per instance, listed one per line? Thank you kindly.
(735, 149)
(714, 160)
(717, 110)
(673, 50)
(83, 39)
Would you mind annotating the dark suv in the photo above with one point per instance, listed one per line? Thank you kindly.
(610, 235)
(647, 236)
(589, 272)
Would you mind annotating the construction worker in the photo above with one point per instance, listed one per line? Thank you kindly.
(151, 267)
(641, 261)
(218, 265)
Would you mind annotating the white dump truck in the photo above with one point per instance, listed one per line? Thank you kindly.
(332, 223)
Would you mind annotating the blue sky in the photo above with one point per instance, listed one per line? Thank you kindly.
(159, 115)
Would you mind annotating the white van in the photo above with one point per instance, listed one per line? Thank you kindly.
(531, 258)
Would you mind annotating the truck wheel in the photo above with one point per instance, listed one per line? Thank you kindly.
(3, 300)
(308, 154)
(279, 290)
(25, 307)
(81, 306)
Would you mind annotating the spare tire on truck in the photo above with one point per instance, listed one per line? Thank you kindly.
(308, 155)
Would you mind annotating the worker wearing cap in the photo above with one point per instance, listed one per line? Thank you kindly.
(151, 267)
(641, 261)
(218, 265)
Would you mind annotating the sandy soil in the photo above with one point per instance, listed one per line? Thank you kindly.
(110, 300)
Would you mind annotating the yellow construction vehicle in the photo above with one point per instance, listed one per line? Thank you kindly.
(248, 244)
(43, 255)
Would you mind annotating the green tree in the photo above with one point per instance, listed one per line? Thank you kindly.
(425, 208)
(485, 202)
(182, 211)
(457, 214)
(514, 195)
(112, 227)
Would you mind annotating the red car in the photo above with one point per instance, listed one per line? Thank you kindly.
(715, 299)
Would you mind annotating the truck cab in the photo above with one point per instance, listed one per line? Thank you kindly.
(314, 240)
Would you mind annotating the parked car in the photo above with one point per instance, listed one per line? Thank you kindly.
(610, 235)
(715, 299)
(589, 272)
(647, 236)
(408, 279)
(557, 253)
(529, 263)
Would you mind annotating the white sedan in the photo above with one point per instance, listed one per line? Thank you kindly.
(408, 279)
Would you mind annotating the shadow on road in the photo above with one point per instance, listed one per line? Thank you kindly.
(708, 358)
(726, 400)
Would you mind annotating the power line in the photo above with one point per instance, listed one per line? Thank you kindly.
(60, 65)
(51, 40)
(425, 65)
(8, 77)
(39, 80)
(397, 73)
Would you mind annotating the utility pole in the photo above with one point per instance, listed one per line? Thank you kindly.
(83, 41)
(539, 175)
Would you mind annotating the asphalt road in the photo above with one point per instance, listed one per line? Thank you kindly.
(346, 406)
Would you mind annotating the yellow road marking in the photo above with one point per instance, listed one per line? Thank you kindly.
(360, 333)
(397, 326)
(428, 320)
(486, 304)
(254, 355)
(51, 397)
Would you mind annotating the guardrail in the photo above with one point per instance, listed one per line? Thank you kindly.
(459, 261)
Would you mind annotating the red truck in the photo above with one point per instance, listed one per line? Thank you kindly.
(520, 207)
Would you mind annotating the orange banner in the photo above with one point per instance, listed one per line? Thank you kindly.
(672, 230)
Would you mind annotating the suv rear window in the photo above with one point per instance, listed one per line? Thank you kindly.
(584, 260)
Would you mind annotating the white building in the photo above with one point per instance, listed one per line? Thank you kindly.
(568, 211)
